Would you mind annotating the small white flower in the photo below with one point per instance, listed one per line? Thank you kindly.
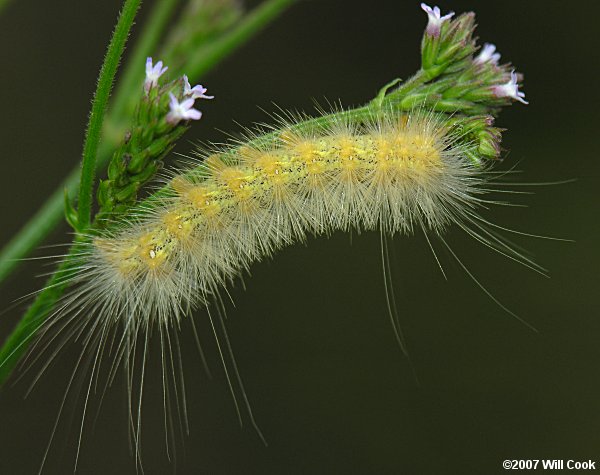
(435, 19)
(196, 92)
(153, 73)
(510, 89)
(488, 54)
(183, 110)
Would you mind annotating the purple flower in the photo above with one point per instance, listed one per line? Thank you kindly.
(435, 20)
(510, 89)
(488, 54)
(181, 110)
(153, 73)
(196, 92)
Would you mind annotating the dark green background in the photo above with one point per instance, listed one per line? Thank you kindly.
(328, 385)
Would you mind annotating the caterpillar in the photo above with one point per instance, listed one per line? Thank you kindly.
(392, 171)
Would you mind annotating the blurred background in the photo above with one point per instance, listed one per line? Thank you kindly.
(328, 385)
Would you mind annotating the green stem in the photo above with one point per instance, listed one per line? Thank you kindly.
(38, 227)
(99, 104)
(412, 83)
(17, 343)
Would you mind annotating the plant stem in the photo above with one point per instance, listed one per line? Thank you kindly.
(38, 227)
(20, 338)
(99, 104)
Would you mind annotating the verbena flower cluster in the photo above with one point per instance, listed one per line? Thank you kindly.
(179, 108)
(162, 116)
(448, 47)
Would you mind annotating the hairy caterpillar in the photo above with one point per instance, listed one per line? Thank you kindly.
(393, 172)
(397, 172)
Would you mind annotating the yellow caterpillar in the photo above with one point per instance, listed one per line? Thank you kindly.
(385, 170)
(394, 172)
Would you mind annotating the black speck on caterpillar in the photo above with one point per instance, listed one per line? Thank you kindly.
(394, 172)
